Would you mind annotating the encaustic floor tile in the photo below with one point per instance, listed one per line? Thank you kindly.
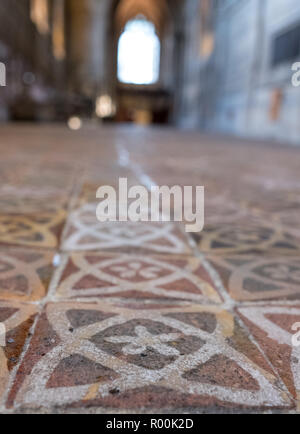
(247, 237)
(85, 232)
(39, 230)
(146, 281)
(260, 277)
(16, 320)
(85, 355)
(276, 329)
(24, 274)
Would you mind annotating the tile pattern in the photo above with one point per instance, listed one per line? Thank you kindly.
(84, 232)
(24, 275)
(39, 230)
(84, 355)
(276, 328)
(246, 237)
(289, 221)
(131, 278)
(137, 316)
(17, 319)
(259, 277)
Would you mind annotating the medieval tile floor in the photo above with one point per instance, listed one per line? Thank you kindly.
(137, 317)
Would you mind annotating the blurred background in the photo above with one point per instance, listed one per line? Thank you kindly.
(215, 65)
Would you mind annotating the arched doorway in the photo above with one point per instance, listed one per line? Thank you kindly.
(139, 53)
(142, 59)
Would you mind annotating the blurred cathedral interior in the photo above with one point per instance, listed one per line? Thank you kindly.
(103, 315)
(217, 65)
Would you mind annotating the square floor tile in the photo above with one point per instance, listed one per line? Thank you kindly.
(276, 329)
(25, 274)
(38, 230)
(16, 320)
(250, 236)
(84, 355)
(146, 281)
(259, 277)
(84, 232)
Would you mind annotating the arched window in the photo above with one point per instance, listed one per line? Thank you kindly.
(139, 53)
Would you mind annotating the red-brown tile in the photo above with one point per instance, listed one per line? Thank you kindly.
(16, 320)
(85, 355)
(147, 281)
(260, 277)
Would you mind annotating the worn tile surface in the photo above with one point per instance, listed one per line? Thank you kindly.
(274, 328)
(134, 317)
(132, 278)
(259, 277)
(88, 354)
(17, 319)
(20, 200)
(257, 237)
(41, 230)
(222, 209)
(24, 274)
(85, 232)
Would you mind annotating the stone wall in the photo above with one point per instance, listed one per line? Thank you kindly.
(236, 89)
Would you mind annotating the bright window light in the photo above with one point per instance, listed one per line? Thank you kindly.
(139, 53)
